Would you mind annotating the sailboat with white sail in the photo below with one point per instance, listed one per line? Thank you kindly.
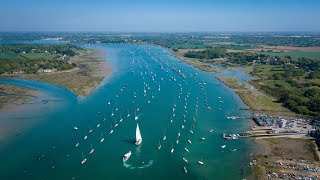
(84, 160)
(138, 136)
(136, 117)
(126, 156)
(159, 146)
(102, 138)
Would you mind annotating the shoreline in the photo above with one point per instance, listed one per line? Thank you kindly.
(260, 103)
(13, 96)
(193, 62)
(92, 68)
(257, 100)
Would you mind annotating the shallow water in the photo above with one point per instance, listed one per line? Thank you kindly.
(47, 150)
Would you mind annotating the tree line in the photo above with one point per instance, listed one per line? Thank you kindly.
(13, 58)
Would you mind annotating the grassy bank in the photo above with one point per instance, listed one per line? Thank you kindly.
(196, 62)
(258, 101)
(91, 68)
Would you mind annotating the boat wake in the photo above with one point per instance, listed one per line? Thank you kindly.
(144, 165)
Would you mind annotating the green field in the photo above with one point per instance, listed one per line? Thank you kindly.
(29, 56)
(238, 46)
(39, 56)
(295, 54)
(187, 46)
(8, 56)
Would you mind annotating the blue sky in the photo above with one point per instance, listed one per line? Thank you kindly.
(160, 15)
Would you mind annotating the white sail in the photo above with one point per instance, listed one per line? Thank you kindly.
(138, 136)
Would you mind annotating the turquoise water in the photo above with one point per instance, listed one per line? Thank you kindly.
(135, 67)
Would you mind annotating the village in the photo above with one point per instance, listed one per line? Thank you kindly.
(277, 138)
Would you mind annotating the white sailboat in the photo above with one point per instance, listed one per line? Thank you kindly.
(189, 141)
(164, 136)
(111, 131)
(138, 136)
(91, 150)
(128, 113)
(115, 123)
(159, 146)
(172, 150)
(185, 170)
(135, 116)
(126, 156)
(186, 149)
(85, 137)
(201, 162)
(102, 138)
(185, 159)
(84, 160)
(112, 113)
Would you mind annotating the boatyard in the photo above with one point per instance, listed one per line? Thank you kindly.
(269, 126)
(285, 149)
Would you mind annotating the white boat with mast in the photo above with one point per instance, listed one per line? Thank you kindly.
(91, 150)
(138, 136)
(201, 162)
(185, 170)
(185, 159)
(112, 113)
(85, 136)
(126, 156)
(172, 149)
(121, 119)
(102, 138)
(164, 136)
(111, 131)
(115, 123)
(189, 141)
(186, 149)
(84, 160)
(128, 113)
(159, 145)
(135, 115)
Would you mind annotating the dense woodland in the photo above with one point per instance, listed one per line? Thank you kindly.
(30, 58)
